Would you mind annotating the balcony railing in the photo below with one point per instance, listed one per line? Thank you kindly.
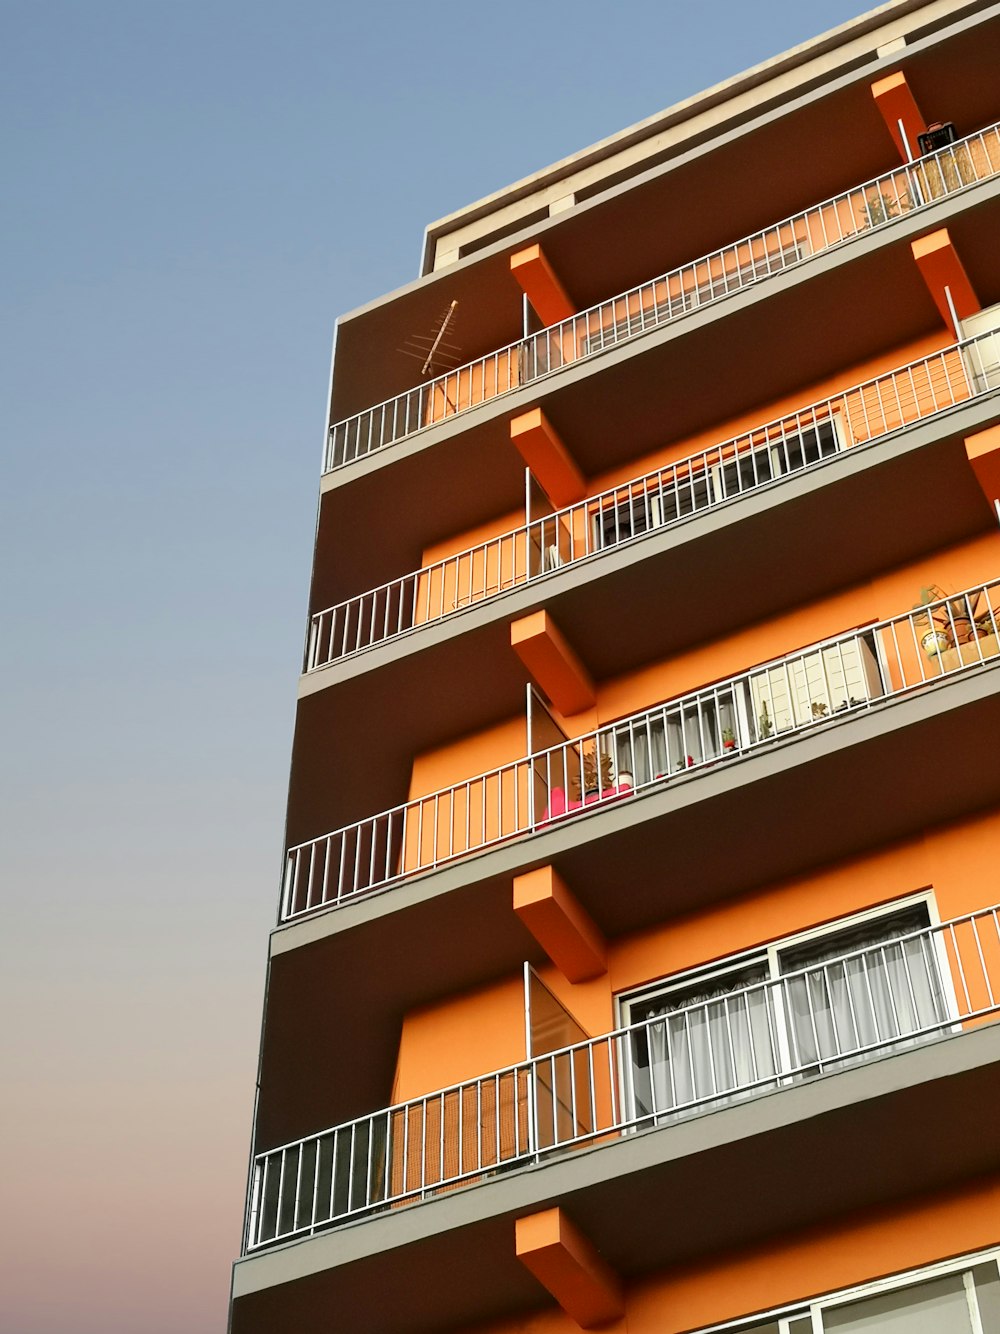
(864, 1003)
(864, 413)
(652, 304)
(638, 754)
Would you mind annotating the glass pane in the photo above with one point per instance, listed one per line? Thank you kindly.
(930, 1308)
(708, 1040)
(987, 1282)
(853, 999)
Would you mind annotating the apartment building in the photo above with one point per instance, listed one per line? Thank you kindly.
(637, 962)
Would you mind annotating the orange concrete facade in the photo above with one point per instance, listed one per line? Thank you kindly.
(899, 109)
(638, 957)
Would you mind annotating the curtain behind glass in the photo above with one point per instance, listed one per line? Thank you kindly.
(711, 1042)
(939, 1307)
(881, 995)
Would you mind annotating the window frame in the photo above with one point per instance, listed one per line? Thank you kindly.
(768, 955)
(704, 487)
(812, 1308)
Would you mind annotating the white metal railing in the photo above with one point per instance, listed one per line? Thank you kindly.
(652, 304)
(909, 986)
(637, 754)
(865, 412)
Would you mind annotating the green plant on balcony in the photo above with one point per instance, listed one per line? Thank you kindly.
(596, 773)
(948, 622)
(878, 208)
(765, 723)
(945, 621)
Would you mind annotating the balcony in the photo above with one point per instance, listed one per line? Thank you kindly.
(634, 758)
(861, 415)
(909, 987)
(669, 297)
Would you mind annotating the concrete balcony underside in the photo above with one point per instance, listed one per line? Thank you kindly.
(807, 148)
(794, 130)
(861, 512)
(832, 792)
(669, 384)
(901, 1126)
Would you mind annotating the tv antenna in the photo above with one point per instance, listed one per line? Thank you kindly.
(436, 350)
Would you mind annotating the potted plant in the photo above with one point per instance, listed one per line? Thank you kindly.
(878, 208)
(931, 615)
(596, 774)
(728, 739)
(765, 726)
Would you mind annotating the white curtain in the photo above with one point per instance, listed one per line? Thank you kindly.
(661, 741)
(641, 749)
(938, 1307)
(708, 1044)
(890, 989)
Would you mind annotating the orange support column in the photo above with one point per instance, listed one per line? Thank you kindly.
(538, 282)
(944, 274)
(548, 458)
(564, 1262)
(898, 106)
(553, 665)
(563, 928)
(983, 452)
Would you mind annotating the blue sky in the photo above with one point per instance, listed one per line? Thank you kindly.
(194, 190)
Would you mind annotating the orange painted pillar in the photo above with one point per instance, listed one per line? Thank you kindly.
(565, 1262)
(896, 103)
(553, 665)
(539, 283)
(535, 439)
(941, 269)
(561, 925)
(983, 453)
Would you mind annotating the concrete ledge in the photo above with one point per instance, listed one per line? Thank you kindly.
(539, 392)
(737, 775)
(647, 1155)
(857, 462)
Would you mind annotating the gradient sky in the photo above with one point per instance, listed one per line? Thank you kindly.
(193, 191)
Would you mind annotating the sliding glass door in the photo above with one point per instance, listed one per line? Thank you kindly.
(799, 1007)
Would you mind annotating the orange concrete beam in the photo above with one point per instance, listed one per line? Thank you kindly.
(941, 268)
(539, 283)
(896, 103)
(983, 452)
(561, 925)
(566, 1263)
(550, 461)
(553, 665)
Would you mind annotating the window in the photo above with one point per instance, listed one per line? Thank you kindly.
(676, 493)
(676, 736)
(956, 1297)
(809, 687)
(983, 357)
(664, 500)
(785, 451)
(805, 688)
(801, 1006)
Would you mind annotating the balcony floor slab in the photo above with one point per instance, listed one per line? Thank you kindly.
(667, 384)
(833, 516)
(740, 1171)
(632, 864)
